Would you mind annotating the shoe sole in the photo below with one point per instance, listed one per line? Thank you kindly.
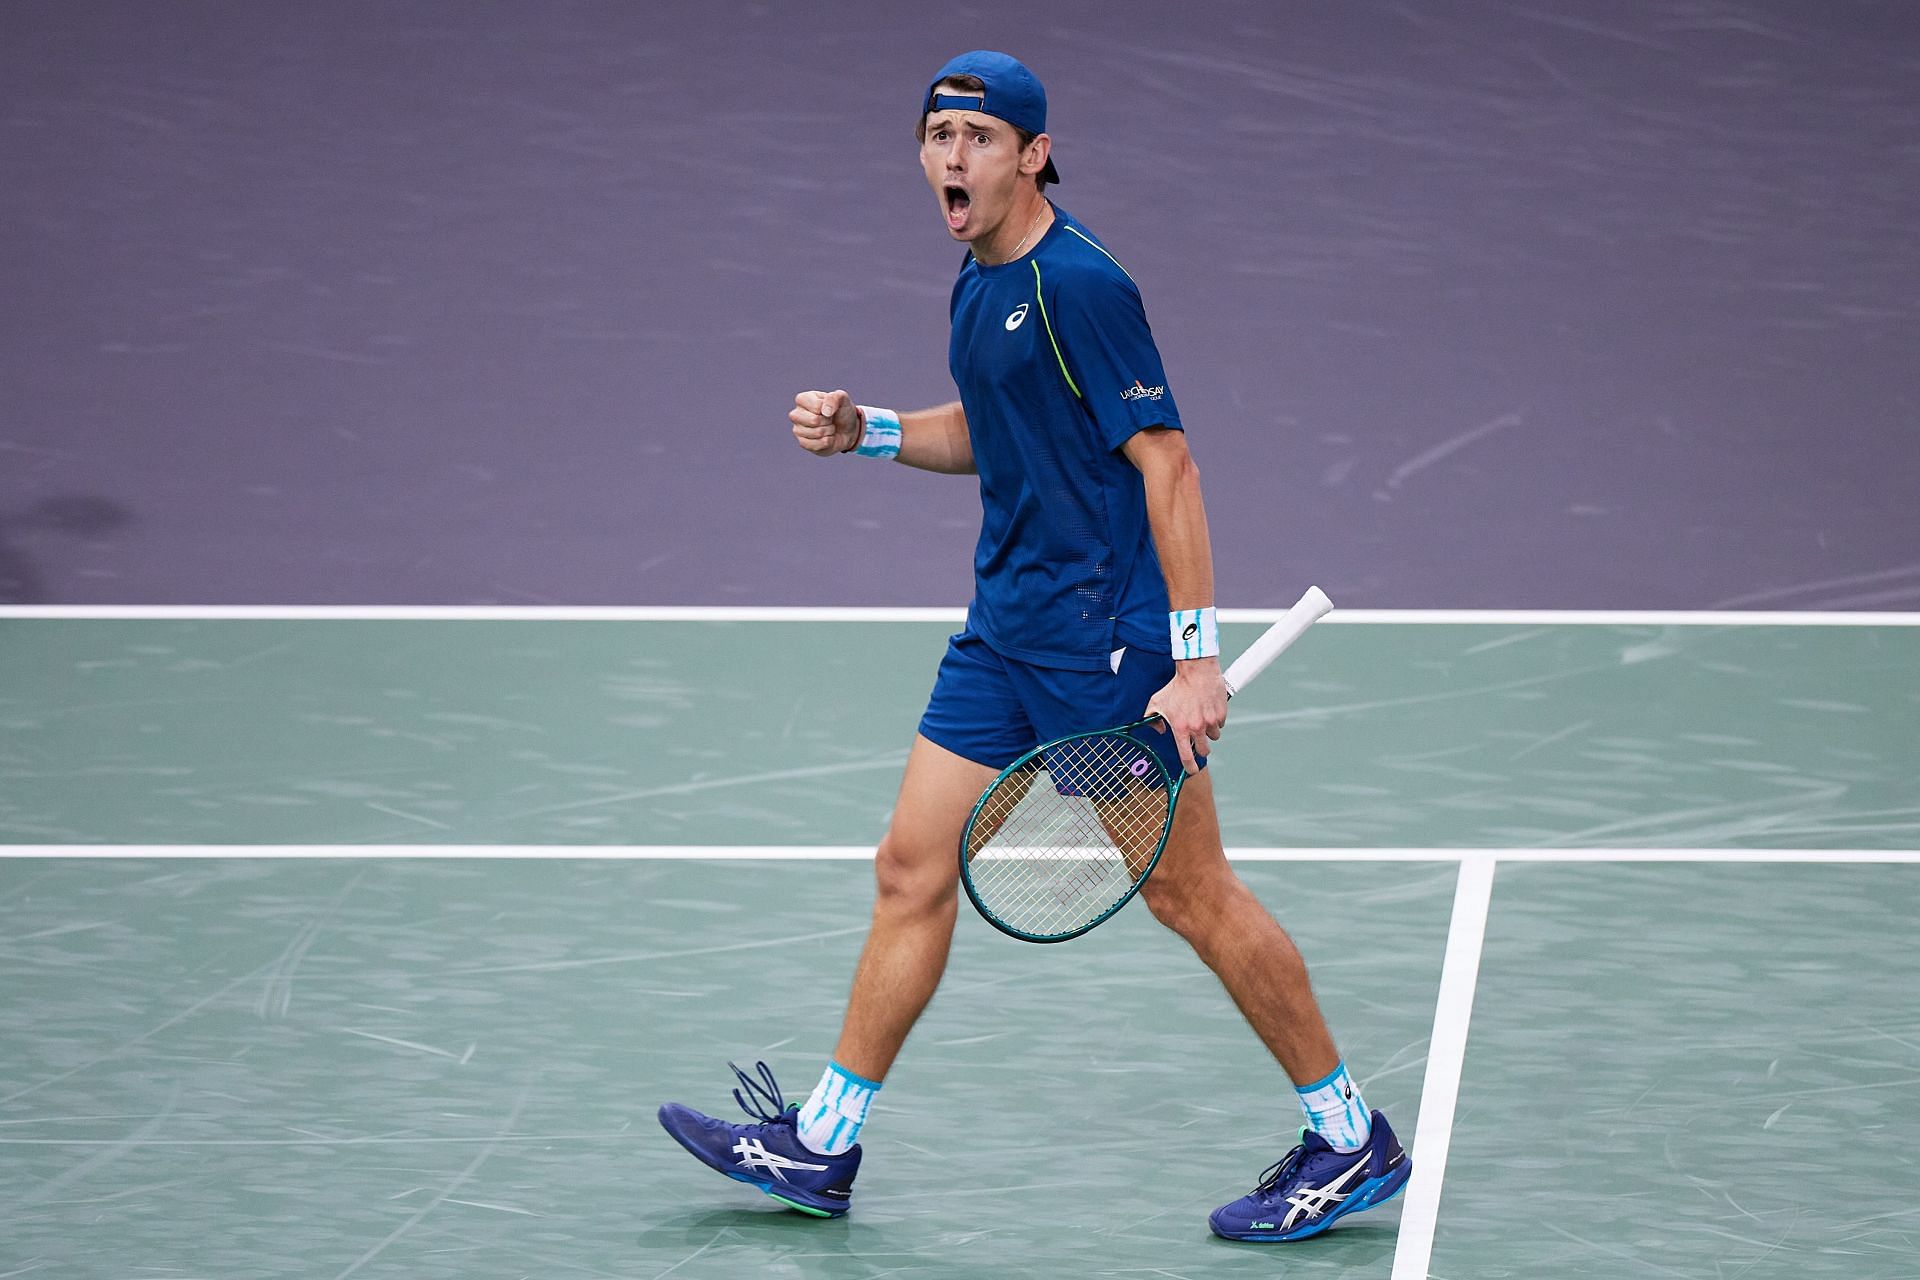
(765, 1188)
(1359, 1203)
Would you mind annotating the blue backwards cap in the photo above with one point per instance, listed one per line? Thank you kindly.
(1013, 94)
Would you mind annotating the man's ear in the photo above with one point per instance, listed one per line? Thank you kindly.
(1035, 158)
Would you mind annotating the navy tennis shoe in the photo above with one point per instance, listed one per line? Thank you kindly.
(767, 1154)
(1315, 1186)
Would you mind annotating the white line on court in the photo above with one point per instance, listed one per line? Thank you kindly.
(861, 853)
(829, 613)
(1446, 1055)
(1577, 855)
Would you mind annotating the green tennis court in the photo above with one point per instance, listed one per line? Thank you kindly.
(340, 947)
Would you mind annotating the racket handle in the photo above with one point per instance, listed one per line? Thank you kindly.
(1273, 642)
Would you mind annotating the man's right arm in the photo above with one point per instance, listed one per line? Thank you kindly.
(828, 422)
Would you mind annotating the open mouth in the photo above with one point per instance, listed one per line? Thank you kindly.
(958, 205)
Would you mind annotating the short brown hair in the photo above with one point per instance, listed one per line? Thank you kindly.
(974, 84)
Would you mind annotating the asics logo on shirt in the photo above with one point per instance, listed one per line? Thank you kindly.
(1019, 315)
(755, 1156)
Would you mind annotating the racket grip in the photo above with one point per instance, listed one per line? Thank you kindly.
(1273, 642)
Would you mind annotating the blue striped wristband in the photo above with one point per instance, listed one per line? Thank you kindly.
(882, 437)
(1194, 633)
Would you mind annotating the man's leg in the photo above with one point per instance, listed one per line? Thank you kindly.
(1196, 893)
(807, 1158)
(1351, 1161)
(916, 873)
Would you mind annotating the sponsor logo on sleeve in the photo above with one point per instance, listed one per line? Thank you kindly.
(1140, 391)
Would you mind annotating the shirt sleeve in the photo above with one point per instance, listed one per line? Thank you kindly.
(1107, 349)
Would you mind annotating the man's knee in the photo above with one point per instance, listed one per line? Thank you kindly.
(914, 878)
(1189, 905)
(1171, 900)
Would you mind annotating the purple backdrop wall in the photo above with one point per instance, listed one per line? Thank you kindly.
(1467, 304)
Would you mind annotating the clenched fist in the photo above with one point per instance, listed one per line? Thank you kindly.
(825, 422)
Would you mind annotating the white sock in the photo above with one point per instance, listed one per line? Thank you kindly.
(830, 1119)
(1336, 1111)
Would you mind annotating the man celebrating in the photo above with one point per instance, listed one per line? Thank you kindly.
(1093, 601)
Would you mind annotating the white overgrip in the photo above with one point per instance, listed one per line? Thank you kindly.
(1273, 642)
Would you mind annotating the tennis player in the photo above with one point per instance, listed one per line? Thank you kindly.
(1093, 605)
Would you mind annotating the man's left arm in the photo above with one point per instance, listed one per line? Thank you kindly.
(1194, 702)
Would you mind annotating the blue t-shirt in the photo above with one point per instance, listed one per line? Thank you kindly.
(1057, 369)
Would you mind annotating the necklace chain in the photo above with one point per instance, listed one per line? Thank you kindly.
(1018, 248)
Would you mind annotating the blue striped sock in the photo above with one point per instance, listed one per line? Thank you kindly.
(830, 1119)
(1336, 1111)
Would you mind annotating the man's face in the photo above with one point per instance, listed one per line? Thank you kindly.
(972, 162)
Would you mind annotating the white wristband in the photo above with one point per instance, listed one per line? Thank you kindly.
(1194, 633)
(882, 437)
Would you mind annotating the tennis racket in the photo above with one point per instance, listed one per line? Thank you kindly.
(1071, 830)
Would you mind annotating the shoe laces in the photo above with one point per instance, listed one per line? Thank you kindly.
(760, 1095)
(1278, 1173)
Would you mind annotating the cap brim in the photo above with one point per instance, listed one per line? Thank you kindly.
(1050, 174)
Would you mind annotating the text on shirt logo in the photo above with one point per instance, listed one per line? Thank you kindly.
(1019, 314)
(1138, 391)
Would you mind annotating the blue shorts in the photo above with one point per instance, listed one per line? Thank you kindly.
(989, 708)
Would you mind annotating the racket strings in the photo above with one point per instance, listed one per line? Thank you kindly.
(1060, 841)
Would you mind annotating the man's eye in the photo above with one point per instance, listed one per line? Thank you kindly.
(983, 139)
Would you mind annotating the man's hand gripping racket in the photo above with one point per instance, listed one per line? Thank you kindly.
(1071, 830)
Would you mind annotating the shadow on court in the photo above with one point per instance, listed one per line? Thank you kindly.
(774, 1241)
(774, 1237)
(69, 517)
